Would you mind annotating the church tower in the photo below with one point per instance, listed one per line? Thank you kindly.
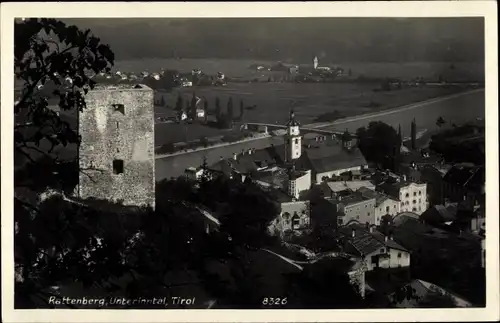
(293, 140)
(315, 61)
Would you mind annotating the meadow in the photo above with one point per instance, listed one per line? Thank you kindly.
(271, 102)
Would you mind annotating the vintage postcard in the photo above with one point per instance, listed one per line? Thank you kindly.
(253, 162)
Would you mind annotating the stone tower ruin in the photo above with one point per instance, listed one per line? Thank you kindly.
(116, 153)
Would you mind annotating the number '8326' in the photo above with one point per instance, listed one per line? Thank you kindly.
(274, 301)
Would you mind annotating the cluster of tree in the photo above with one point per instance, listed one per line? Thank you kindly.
(226, 119)
(447, 143)
(380, 144)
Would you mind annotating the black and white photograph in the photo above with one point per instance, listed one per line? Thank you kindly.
(249, 163)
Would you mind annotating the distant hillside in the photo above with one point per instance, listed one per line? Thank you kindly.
(297, 39)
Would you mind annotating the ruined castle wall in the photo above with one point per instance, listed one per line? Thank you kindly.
(108, 134)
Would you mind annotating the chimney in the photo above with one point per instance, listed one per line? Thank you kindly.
(353, 233)
(235, 156)
(386, 238)
(404, 178)
(391, 237)
(372, 229)
(250, 151)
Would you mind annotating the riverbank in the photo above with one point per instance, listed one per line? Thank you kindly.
(457, 109)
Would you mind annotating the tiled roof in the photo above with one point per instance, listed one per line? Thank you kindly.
(351, 185)
(467, 176)
(365, 242)
(389, 243)
(440, 213)
(369, 193)
(353, 198)
(404, 217)
(423, 289)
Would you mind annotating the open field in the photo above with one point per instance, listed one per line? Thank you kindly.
(273, 101)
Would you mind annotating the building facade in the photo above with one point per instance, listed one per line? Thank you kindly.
(116, 154)
(413, 197)
(356, 208)
(298, 182)
(294, 216)
(377, 250)
(386, 205)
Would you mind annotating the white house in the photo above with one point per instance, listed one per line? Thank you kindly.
(377, 250)
(412, 196)
(384, 204)
(298, 182)
(182, 116)
(193, 173)
(355, 207)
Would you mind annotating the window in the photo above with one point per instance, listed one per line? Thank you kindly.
(374, 260)
(387, 208)
(414, 209)
(414, 201)
(407, 195)
(119, 108)
(118, 166)
(399, 254)
(382, 250)
(419, 192)
(117, 125)
(296, 222)
(368, 213)
(414, 193)
(296, 141)
(419, 200)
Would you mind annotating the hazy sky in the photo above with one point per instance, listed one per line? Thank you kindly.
(298, 39)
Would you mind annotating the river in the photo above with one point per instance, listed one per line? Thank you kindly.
(457, 110)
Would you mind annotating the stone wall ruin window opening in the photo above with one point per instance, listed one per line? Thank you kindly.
(118, 166)
(117, 125)
(119, 108)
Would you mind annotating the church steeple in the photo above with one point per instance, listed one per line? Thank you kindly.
(293, 139)
(292, 122)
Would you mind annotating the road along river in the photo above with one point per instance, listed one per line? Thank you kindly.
(458, 108)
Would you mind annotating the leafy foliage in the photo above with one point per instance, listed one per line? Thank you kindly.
(192, 107)
(379, 143)
(324, 285)
(242, 110)
(230, 112)
(179, 104)
(52, 60)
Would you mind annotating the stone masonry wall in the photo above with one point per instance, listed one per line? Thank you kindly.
(109, 135)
